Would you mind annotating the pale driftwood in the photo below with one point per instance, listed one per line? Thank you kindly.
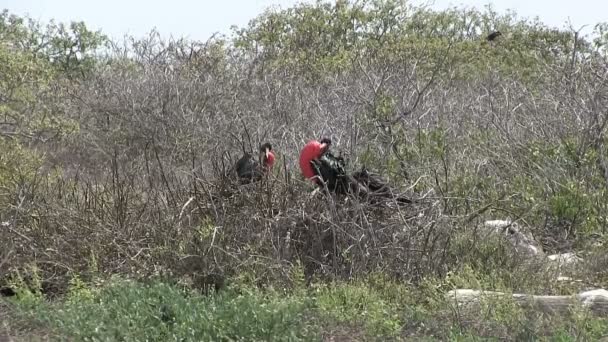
(595, 300)
(522, 242)
(525, 244)
(564, 259)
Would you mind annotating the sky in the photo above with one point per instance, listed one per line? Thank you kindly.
(200, 19)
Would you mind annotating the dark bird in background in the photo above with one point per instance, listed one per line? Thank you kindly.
(7, 292)
(377, 186)
(492, 36)
(249, 170)
(319, 165)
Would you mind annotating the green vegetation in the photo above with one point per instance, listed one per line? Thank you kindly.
(161, 312)
(118, 220)
(131, 311)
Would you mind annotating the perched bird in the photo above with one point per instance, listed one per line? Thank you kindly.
(320, 166)
(7, 292)
(377, 186)
(492, 36)
(313, 150)
(248, 169)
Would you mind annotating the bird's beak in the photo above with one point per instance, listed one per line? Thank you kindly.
(267, 152)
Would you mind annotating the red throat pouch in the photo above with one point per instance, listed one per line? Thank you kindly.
(312, 150)
(270, 160)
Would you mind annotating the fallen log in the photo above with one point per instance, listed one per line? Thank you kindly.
(511, 231)
(595, 300)
(564, 259)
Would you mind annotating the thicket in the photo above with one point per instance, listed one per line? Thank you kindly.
(113, 154)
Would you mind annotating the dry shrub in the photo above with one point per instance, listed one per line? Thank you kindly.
(141, 188)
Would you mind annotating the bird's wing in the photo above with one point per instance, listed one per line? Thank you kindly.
(246, 166)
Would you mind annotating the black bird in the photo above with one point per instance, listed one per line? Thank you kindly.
(322, 167)
(7, 292)
(376, 186)
(248, 169)
(492, 36)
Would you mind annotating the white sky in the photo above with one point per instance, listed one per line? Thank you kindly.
(199, 19)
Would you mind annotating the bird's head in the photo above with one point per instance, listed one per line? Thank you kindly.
(325, 144)
(266, 155)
